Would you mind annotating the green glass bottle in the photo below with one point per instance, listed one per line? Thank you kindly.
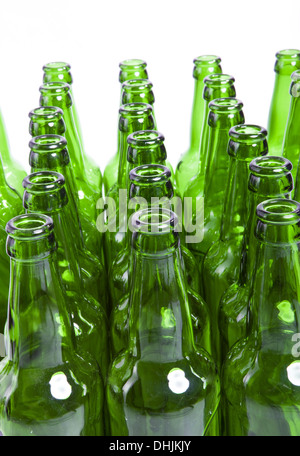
(161, 384)
(59, 94)
(49, 120)
(270, 177)
(129, 69)
(46, 387)
(13, 171)
(215, 86)
(61, 72)
(132, 117)
(204, 65)
(287, 61)
(222, 261)
(260, 382)
(224, 113)
(45, 193)
(50, 153)
(150, 185)
(10, 206)
(291, 148)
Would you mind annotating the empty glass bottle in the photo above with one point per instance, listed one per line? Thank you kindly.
(50, 153)
(224, 113)
(150, 185)
(161, 384)
(46, 388)
(132, 117)
(291, 139)
(222, 261)
(204, 65)
(215, 86)
(270, 177)
(260, 382)
(129, 69)
(58, 94)
(287, 61)
(45, 193)
(10, 206)
(61, 72)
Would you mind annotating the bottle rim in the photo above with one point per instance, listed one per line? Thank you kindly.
(279, 211)
(154, 221)
(145, 138)
(43, 181)
(225, 105)
(270, 165)
(56, 87)
(218, 79)
(132, 63)
(288, 54)
(57, 67)
(135, 109)
(206, 59)
(48, 142)
(151, 173)
(295, 76)
(137, 85)
(45, 112)
(30, 226)
(248, 133)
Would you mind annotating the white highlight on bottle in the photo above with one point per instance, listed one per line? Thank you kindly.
(59, 386)
(293, 373)
(178, 383)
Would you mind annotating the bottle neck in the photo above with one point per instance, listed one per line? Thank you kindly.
(160, 323)
(35, 291)
(291, 147)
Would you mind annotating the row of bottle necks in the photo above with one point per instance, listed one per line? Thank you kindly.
(152, 311)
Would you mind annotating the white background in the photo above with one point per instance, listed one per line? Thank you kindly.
(95, 35)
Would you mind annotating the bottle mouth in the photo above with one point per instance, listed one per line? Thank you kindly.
(270, 166)
(29, 227)
(46, 143)
(295, 76)
(288, 54)
(57, 67)
(225, 105)
(279, 211)
(152, 173)
(55, 87)
(207, 60)
(135, 110)
(45, 113)
(145, 138)
(132, 64)
(248, 133)
(154, 220)
(218, 80)
(137, 85)
(43, 181)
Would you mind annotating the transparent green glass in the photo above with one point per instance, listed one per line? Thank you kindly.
(50, 153)
(59, 94)
(129, 69)
(215, 86)
(161, 385)
(45, 193)
(287, 61)
(270, 177)
(46, 387)
(150, 185)
(291, 147)
(204, 65)
(222, 261)
(61, 72)
(13, 171)
(224, 113)
(10, 206)
(132, 117)
(260, 381)
(49, 120)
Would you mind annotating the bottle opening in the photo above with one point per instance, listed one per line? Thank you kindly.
(48, 142)
(55, 87)
(207, 60)
(43, 181)
(288, 54)
(270, 165)
(218, 79)
(279, 211)
(47, 112)
(57, 66)
(135, 109)
(145, 138)
(150, 173)
(154, 220)
(137, 85)
(224, 105)
(248, 133)
(29, 226)
(132, 63)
